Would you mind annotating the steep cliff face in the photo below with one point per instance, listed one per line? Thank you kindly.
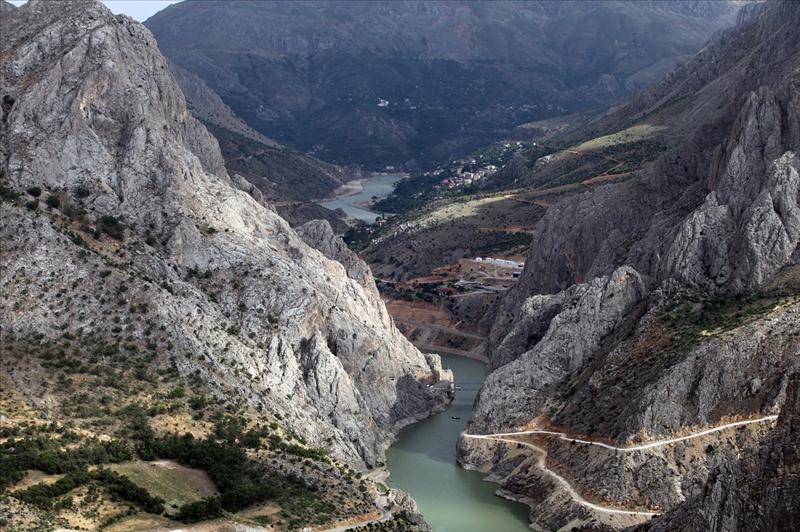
(279, 173)
(748, 226)
(758, 492)
(556, 339)
(319, 235)
(137, 195)
(665, 303)
(732, 114)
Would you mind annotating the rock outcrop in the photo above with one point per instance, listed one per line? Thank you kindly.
(758, 492)
(138, 198)
(580, 321)
(319, 235)
(666, 302)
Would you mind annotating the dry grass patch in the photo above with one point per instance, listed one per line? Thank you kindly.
(90, 511)
(175, 484)
(13, 406)
(33, 478)
(143, 521)
(626, 136)
(180, 424)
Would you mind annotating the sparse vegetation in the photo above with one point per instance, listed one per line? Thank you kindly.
(53, 201)
(112, 226)
(7, 194)
(690, 320)
(48, 454)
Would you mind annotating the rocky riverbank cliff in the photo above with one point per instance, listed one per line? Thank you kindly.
(758, 491)
(121, 226)
(665, 304)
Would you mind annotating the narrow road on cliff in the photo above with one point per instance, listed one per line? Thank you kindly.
(507, 437)
(541, 463)
(636, 447)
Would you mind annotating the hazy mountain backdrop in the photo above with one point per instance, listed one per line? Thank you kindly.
(414, 82)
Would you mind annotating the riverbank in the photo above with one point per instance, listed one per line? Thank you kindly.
(422, 463)
(356, 186)
(355, 197)
(350, 188)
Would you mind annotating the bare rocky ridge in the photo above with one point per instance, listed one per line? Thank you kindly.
(319, 235)
(579, 320)
(94, 117)
(665, 302)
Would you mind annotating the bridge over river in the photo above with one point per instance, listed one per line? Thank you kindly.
(467, 386)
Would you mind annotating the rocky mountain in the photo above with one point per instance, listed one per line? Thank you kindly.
(416, 82)
(280, 173)
(141, 286)
(758, 492)
(664, 303)
(285, 178)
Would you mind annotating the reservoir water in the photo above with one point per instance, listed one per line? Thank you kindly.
(379, 187)
(422, 462)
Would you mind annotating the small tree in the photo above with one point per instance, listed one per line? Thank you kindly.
(53, 201)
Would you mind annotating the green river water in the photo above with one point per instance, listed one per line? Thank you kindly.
(422, 462)
(371, 187)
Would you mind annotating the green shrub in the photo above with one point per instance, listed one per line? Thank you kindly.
(81, 191)
(45, 454)
(200, 510)
(112, 226)
(6, 194)
(53, 201)
(44, 495)
(177, 393)
(126, 489)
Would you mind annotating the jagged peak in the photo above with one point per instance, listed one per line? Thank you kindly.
(101, 91)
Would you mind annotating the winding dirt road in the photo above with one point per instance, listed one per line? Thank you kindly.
(541, 463)
(636, 447)
(507, 437)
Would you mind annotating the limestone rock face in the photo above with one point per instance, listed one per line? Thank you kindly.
(748, 227)
(666, 302)
(589, 313)
(758, 492)
(319, 235)
(98, 121)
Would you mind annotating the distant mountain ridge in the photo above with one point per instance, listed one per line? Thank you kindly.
(410, 83)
